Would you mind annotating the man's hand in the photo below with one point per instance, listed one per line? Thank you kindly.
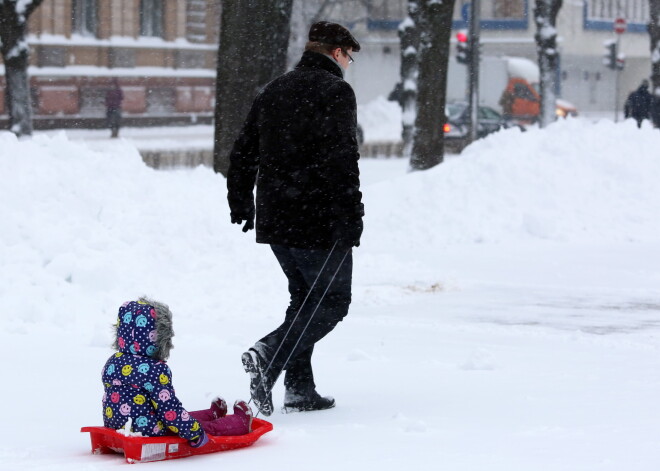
(348, 234)
(249, 220)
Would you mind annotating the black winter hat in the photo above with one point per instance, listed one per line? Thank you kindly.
(334, 34)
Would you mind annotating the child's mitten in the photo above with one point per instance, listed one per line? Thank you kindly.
(202, 440)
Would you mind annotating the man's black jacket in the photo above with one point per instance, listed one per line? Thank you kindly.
(299, 144)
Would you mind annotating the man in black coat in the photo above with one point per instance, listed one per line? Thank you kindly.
(298, 144)
(638, 104)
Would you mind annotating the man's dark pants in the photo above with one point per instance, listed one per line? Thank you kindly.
(302, 328)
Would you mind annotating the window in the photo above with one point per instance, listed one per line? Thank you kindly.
(600, 14)
(489, 113)
(494, 9)
(161, 100)
(83, 13)
(523, 92)
(634, 11)
(507, 9)
(495, 14)
(196, 20)
(151, 18)
(386, 14)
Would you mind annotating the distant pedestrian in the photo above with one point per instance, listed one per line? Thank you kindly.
(638, 104)
(113, 98)
(397, 94)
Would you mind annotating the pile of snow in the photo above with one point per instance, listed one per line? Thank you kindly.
(523, 68)
(380, 120)
(78, 221)
(574, 181)
(82, 222)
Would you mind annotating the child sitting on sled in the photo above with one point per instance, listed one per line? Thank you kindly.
(138, 383)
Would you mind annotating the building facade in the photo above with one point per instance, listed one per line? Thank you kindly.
(507, 30)
(162, 52)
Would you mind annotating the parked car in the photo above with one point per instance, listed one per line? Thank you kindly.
(458, 120)
(565, 108)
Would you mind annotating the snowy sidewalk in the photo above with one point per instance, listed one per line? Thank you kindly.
(185, 146)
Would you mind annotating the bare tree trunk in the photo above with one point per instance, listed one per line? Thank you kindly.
(303, 13)
(253, 43)
(409, 37)
(15, 54)
(654, 36)
(545, 16)
(19, 103)
(434, 25)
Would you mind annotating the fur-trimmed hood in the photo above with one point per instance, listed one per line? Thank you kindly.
(144, 327)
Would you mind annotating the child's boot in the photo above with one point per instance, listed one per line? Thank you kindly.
(219, 407)
(242, 410)
(240, 423)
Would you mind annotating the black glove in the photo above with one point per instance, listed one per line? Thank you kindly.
(248, 217)
(348, 233)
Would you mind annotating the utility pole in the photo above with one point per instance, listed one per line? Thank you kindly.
(473, 68)
(617, 81)
(620, 26)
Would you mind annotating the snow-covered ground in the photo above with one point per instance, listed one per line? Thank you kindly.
(506, 308)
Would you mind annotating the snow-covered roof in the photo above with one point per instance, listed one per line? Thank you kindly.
(523, 68)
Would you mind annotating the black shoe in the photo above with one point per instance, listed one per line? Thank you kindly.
(306, 403)
(260, 384)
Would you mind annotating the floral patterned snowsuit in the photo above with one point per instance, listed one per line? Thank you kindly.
(139, 386)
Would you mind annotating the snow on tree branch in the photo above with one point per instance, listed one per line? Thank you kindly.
(545, 17)
(21, 47)
(23, 8)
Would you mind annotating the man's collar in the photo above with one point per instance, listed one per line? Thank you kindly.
(317, 60)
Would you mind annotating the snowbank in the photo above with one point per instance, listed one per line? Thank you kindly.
(84, 223)
(380, 120)
(574, 181)
(79, 220)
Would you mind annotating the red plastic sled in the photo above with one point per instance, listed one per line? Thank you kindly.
(145, 449)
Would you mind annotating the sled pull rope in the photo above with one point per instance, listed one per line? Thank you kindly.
(334, 275)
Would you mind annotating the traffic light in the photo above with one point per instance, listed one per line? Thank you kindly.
(463, 47)
(610, 55)
(620, 62)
